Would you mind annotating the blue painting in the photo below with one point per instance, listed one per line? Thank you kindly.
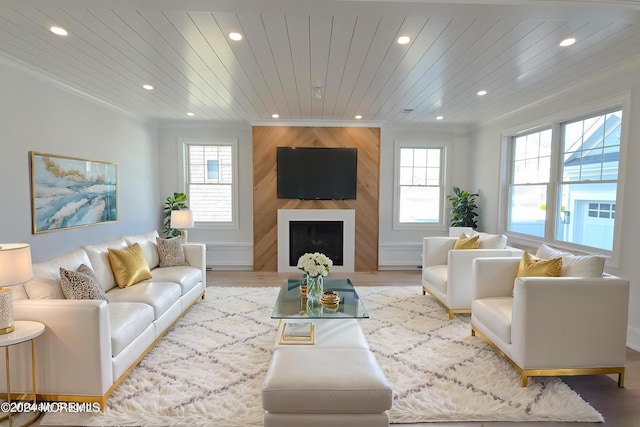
(69, 192)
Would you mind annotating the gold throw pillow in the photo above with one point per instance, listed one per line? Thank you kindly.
(129, 265)
(533, 266)
(465, 242)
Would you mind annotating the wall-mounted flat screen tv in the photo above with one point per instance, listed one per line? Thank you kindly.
(307, 173)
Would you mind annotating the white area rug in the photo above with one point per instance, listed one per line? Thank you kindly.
(208, 370)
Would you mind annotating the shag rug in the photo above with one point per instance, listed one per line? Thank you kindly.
(209, 368)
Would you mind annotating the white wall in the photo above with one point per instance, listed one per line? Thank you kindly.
(227, 248)
(37, 116)
(402, 249)
(622, 83)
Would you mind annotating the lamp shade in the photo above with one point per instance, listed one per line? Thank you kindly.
(15, 268)
(15, 263)
(182, 219)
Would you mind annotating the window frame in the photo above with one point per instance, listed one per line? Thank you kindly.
(444, 184)
(184, 144)
(556, 123)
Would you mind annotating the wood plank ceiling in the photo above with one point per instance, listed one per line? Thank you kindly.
(347, 48)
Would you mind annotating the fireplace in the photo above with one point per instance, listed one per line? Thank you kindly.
(329, 231)
(316, 236)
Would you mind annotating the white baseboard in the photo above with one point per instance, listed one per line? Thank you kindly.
(229, 256)
(633, 338)
(399, 256)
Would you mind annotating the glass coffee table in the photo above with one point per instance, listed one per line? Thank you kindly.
(289, 304)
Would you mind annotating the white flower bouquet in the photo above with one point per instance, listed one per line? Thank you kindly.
(315, 264)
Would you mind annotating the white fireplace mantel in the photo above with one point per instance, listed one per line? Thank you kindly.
(347, 216)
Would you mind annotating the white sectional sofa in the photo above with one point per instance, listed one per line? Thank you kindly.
(90, 345)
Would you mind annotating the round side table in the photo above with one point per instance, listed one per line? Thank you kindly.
(24, 331)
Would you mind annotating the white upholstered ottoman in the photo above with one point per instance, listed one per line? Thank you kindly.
(336, 382)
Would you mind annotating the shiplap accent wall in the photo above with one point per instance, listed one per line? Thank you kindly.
(266, 203)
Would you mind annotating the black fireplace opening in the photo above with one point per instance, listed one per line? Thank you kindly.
(316, 236)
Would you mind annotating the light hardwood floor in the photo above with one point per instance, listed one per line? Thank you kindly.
(620, 407)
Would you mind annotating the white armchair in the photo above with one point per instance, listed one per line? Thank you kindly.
(446, 273)
(551, 326)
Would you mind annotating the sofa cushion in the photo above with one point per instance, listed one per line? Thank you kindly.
(99, 257)
(127, 320)
(464, 242)
(186, 277)
(574, 265)
(436, 276)
(129, 265)
(158, 295)
(80, 284)
(46, 275)
(18, 292)
(495, 314)
(531, 265)
(147, 242)
(171, 252)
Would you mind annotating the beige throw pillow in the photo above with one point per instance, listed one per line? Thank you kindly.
(81, 284)
(171, 252)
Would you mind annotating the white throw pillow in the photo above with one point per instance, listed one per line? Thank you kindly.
(99, 256)
(147, 242)
(491, 241)
(574, 265)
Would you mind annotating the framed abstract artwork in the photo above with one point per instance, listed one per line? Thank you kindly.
(70, 192)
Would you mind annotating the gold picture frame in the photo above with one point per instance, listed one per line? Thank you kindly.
(69, 192)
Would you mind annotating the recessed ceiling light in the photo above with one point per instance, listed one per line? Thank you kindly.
(235, 36)
(147, 87)
(567, 42)
(482, 92)
(59, 31)
(404, 39)
(439, 117)
(275, 116)
(358, 117)
(190, 114)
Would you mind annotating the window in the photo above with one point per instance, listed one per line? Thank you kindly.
(210, 181)
(530, 183)
(563, 181)
(419, 192)
(588, 185)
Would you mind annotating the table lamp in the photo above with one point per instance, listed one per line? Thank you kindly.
(181, 220)
(15, 268)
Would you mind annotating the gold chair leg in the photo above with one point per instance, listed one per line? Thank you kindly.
(524, 380)
(621, 379)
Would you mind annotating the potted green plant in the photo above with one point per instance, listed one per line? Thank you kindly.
(463, 211)
(177, 202)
